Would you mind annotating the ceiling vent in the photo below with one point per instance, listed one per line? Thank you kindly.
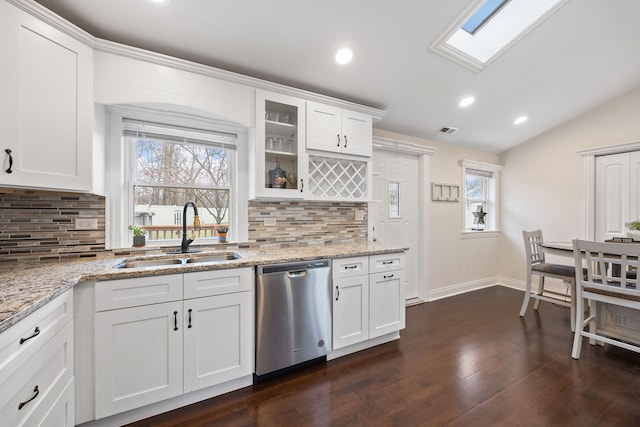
(448, 130)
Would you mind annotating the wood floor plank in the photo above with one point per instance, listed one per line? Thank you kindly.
(468, 360)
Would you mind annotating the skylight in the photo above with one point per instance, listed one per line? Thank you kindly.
(489, 27)
(482, 15)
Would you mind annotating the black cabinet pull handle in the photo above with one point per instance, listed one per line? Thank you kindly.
(345, 141)
(175, 320)
(387, 277)
(36, 332)
(301, 185)
(387, 262)
(350, 267)
(337, 293)
(36, 392)
(189, 319)
(8, 151)
(338, 140)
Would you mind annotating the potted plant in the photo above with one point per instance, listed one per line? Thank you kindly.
(138, 235)
(634, 229)
(222, 233)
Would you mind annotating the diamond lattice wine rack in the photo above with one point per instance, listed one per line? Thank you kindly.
(332, 178)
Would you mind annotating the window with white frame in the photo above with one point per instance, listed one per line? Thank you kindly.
(480, 195)
(156, 164)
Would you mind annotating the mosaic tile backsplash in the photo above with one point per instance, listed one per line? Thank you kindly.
(38, 225)
(41, 225)
(286, 224)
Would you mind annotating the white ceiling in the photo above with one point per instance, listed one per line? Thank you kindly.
(587, 53)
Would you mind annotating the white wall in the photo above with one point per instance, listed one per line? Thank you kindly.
(542, 179)
(456, 264)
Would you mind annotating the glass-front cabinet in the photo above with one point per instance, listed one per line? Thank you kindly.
(280, 157)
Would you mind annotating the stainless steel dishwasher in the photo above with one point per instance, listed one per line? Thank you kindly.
(293, 314)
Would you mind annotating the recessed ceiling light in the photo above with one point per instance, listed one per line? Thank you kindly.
(520, 120)
(467, 101)
(344, 55)
(160, 2)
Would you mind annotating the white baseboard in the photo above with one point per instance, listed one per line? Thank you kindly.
(461, 288)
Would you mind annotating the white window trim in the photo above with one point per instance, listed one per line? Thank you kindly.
(118, 208)
(493, 226)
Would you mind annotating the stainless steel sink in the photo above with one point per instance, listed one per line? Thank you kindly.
(210, 258)
(150, 263)
(213, 258)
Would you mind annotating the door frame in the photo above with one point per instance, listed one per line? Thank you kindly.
(423, 153)
(589, 180)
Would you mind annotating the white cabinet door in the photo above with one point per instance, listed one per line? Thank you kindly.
(280, 139)
(357, 133)
(46, 108)
(324, 127)
(386, 296)
(350, 310)
(138, 356)
(217, 339)
(338, 131)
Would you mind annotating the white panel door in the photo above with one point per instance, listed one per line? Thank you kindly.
(324, 127)
(357, 133)
(387, 307)
(350, 310)
(138, 356)
(401, 227)
(612, 195)
(217, 339)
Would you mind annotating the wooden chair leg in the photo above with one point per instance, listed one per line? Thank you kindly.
(540, 291)
(572, 284)
(577, 336)
(527, 296)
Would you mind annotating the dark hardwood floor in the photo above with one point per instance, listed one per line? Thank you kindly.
(468, 360)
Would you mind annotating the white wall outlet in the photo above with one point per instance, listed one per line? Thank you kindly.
(360, 215)
(269, 221)
(86, 224)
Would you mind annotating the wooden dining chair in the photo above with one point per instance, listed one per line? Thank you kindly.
(537, 266)
(611, 278)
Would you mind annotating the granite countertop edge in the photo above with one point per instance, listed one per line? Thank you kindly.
(24, 289)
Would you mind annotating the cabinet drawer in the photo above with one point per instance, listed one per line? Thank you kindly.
(349, 267)
(26, 337)
(113, 294)
(386, 262)
(217, 282)
(38, 381)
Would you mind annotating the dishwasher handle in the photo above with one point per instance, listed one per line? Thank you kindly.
(297, 273)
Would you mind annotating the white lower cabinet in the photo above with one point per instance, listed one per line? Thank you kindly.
(386, 303)
(215, 339)
(149, 353)
(367, 306)
(138, 356)
(36, 367)
(350, 310)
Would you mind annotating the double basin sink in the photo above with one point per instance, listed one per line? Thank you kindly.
(179, 259)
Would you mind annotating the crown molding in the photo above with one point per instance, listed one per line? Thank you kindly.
(101, 45)
(42, 13)
(399, 146)
(610, 149)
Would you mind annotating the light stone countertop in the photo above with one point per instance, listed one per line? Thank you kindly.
(26, 287)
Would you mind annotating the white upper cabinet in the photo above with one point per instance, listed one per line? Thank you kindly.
(338, 130)
(46, 108)
(279, 160)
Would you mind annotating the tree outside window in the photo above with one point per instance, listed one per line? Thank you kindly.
(168, 174)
